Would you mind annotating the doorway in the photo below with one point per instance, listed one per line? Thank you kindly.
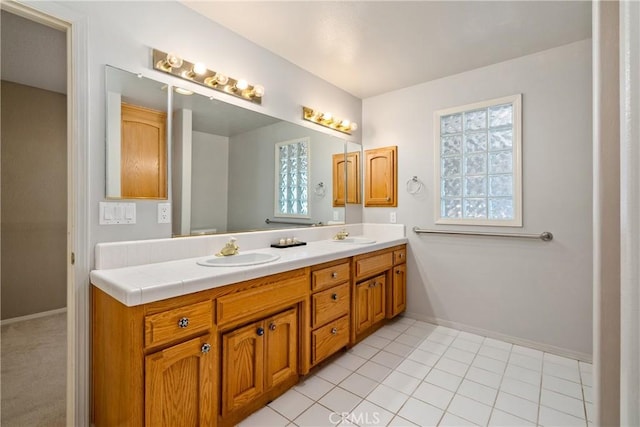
(34, 221)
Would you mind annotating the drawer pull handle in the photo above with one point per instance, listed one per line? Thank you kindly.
(334, 331)
(260, 332)
(205, 348)
(272, 327)
(334, 275)
(334, 297)
(183, 322)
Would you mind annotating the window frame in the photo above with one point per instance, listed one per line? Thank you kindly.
(276, 212)
(516, 101)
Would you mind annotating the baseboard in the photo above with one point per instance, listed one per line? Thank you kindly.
(33, 316)
(583, 357)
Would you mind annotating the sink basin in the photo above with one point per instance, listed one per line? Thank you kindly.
(239, 260)
(356, 240)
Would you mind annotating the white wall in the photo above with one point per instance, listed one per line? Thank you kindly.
(209, 182)
(122, 34)
(528, 290)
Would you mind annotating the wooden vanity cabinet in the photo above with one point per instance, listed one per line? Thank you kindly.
(212, 358)
(179, 383)
(256, 358)
(330, 305)
(380, 289)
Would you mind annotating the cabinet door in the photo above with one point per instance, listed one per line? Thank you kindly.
(353, 177)
(143, 154)
(377, 302)
(381, 177)
(362, 314)
(281, 351)
(242, 366)
(398, 290)
(179, 385)
(339, 179)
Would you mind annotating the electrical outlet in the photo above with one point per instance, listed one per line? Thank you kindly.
(164, 213)
(392, 217)
(336, 215)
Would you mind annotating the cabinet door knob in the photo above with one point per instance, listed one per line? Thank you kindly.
(260, 332)
(334, 275)
(397, 271)
(388, 199)
(205, 347)
(183, 322)
(272, 327)
(373, 285)
(400, 255)
(334, 297)
(334, 331)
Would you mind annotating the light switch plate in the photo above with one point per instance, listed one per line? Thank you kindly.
(164, 213)
(112, 213)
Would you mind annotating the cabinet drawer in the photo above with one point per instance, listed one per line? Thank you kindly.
(270, 295)
(330, 304)
(329, 276)
(329, 339)
(179, 322)
(399, 256)
(373, 264)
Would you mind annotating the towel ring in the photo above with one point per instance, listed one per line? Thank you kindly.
(319, 189)
(414, 185)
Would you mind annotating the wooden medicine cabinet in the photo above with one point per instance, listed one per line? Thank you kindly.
(381, 177)
(143, 153)
(346, 178)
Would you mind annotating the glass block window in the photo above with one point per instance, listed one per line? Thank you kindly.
(292, 178)
(478, 163)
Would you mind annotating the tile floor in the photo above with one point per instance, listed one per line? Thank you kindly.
(415, 373)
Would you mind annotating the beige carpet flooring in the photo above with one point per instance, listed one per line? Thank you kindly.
(33, 372)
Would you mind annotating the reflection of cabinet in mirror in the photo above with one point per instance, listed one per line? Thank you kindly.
(381, 177)
(143, 153)
(346, 178)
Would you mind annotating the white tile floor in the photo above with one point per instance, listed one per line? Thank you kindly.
(414, 373)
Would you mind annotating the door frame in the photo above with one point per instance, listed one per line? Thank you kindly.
(78, 260)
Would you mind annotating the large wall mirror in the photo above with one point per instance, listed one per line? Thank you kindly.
(230, 172)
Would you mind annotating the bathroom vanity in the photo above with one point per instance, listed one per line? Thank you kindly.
(215, 355)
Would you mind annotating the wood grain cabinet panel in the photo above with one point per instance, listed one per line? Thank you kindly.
(143, 164)
(328, 339)
(329, 304)
(398, 291)
(381, 177)
(178, 323)
(179, 385)
(330, 276)
(346, 178)
(256, 358)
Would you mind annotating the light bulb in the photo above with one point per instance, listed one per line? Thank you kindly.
(258, 91)
(327, 116)
(222, 79)
(173, 61)
(199, 68)
(345, 123)
(242, 84)
(354, 126)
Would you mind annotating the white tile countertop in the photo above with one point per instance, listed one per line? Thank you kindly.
(143, 283)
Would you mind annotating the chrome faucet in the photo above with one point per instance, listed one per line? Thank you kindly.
(230, 248)
(341, 235)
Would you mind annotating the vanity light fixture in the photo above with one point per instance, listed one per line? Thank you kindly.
(327, 120)
(200, 74)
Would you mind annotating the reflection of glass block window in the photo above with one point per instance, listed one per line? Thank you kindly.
(292, 178)
(478, 152)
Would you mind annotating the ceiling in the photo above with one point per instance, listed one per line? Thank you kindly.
(27, 47)
(372, 47)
